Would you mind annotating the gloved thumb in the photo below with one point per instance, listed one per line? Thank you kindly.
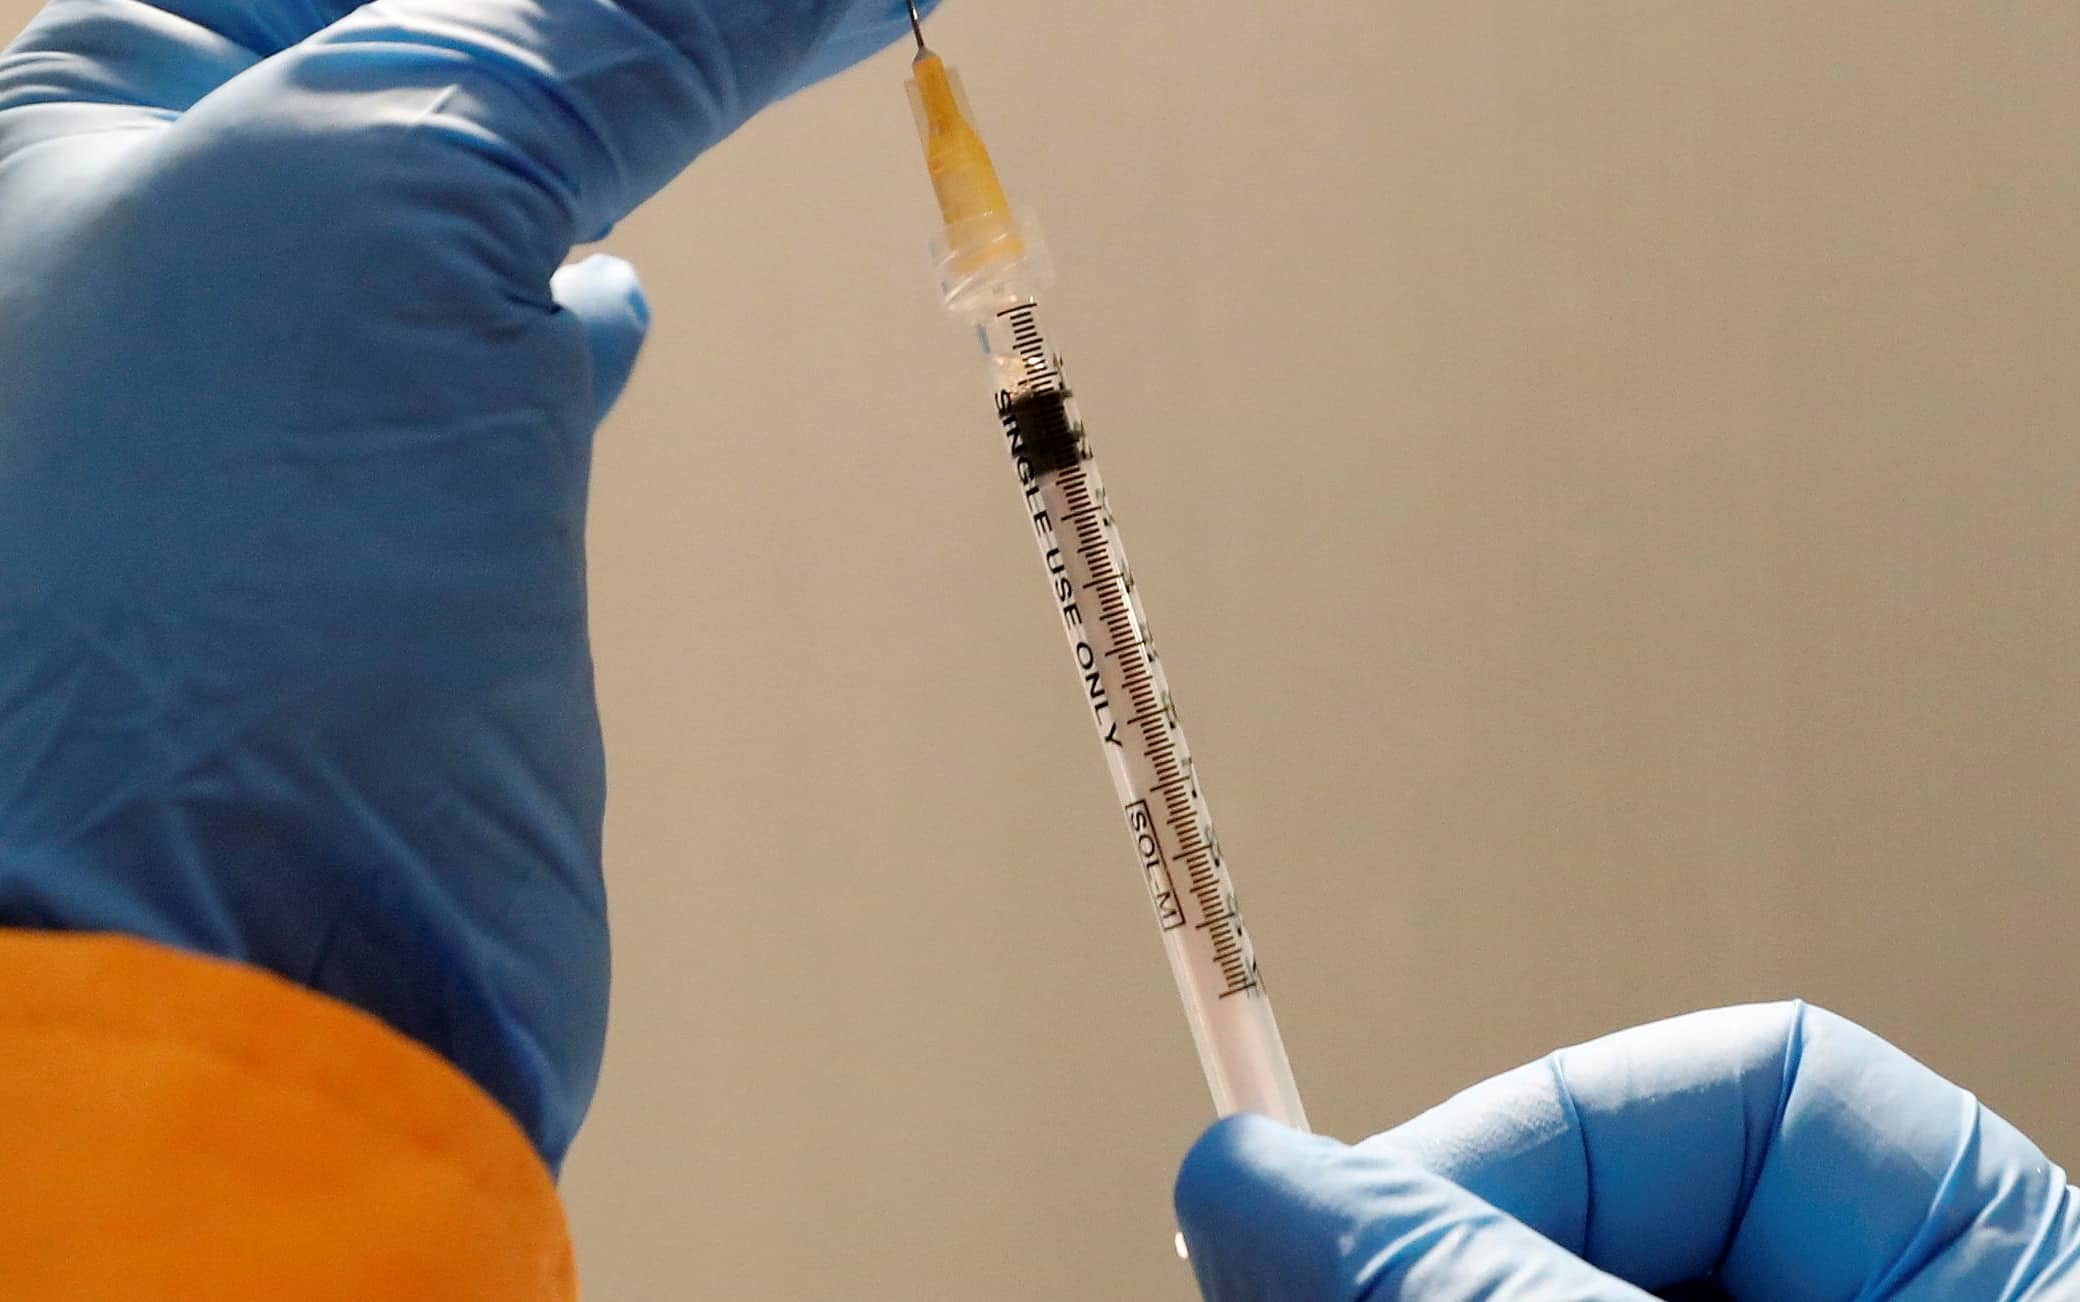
(1273, 1215)
(602, 293)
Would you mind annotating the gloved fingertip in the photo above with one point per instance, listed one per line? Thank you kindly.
(1225, 1161)
(601, 287)
(604, 294)
(1236, 1203)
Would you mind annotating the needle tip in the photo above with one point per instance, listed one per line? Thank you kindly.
(917, 26)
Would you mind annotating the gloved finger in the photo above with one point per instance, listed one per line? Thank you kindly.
(1790, 1151)
(1669, 1190)
(87, 60)
(1273, 1215)
(603, 294)
(596, 103)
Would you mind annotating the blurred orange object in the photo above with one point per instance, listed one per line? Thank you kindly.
(179, 1128)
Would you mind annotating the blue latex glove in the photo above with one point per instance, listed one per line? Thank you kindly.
(1779, 1152)
(295, 424)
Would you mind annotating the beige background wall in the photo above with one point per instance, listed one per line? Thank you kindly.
(1604, 478)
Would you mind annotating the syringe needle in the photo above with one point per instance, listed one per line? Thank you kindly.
(917, 26)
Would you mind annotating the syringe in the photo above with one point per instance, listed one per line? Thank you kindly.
(992, 266)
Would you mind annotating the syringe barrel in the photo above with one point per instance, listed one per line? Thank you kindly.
(1121, 681)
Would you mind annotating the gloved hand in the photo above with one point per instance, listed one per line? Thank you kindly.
(295, 423)
(1779, 1152)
